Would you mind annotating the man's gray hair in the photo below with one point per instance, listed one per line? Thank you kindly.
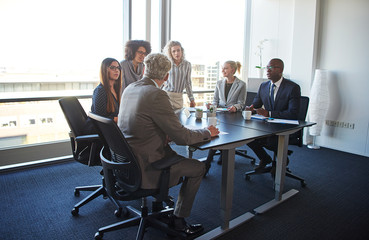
(157, 65)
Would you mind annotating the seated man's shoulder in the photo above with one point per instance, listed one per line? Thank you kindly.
(290, 82)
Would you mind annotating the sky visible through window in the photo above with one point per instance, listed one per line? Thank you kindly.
(67, 36)
(209, 30)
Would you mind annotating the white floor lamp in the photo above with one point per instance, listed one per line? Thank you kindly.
(319, 103)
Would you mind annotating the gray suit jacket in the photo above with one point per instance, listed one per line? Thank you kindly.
(146, 117)
(236, 95)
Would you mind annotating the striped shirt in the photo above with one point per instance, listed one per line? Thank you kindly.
(179, 79)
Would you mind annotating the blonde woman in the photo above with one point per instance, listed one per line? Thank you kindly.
(229, 93)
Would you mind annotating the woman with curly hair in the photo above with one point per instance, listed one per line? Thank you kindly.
(132, 65)
(179, 75)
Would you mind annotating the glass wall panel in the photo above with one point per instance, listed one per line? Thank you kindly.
(52, 48)
(211, 32)
(139, 20)
(33, 122)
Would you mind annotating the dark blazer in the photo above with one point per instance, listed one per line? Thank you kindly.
(146, 118)
(286, 103)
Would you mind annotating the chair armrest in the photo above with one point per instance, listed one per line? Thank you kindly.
(88, 138)
(167, 162)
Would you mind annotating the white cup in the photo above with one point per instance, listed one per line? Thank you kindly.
(213, 121)
(246, 115)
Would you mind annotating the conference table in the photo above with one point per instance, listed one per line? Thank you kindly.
(236, 132)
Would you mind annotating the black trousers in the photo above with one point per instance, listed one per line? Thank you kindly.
(211, 154)
(259, 145)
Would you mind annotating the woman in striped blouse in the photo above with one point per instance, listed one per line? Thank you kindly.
(179, 75)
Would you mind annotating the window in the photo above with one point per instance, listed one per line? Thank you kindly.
(213, 34)
(52, 48)
(139, 18)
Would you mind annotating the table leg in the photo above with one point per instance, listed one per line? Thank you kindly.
(190, 151)
(226, 197)
(280, 174)
(280, 171)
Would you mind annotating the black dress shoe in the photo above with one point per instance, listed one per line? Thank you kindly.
(189, 229)
(262, 165)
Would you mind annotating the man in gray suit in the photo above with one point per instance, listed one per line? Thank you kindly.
(148, 121)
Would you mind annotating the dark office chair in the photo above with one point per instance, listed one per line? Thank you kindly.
(123, 180)
(249, 99)
(85, 149)
(294, 139)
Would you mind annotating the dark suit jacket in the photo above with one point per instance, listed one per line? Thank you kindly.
(286, 103)
(146, 117)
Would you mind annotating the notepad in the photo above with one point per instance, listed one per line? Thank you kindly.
(258, 116)
(285, 121)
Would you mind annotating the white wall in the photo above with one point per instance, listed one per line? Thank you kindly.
(272, 20)
(344, 51)
(304, 44)
(322, 34)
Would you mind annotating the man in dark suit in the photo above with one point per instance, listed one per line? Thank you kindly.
(277, 98)
(147, 120)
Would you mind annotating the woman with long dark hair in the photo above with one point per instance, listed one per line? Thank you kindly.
(106, 96)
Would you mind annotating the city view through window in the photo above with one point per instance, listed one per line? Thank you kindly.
(53, 51)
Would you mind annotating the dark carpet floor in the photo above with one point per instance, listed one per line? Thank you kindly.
(36, 203)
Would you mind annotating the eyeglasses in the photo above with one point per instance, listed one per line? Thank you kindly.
(115, 68)
(142, 53)
(271, 67)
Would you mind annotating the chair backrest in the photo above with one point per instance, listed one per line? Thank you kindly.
(297, 137)
(85, 151)
(120, 154)
(304, 105)
(74, 114)
(250, 98)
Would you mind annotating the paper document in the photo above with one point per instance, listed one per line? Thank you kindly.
(222, 109)
(195, 128)
(187, 113)
(258, 116)
(277, 120)
(193, 109)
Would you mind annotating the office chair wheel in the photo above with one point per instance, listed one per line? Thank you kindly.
(75, 211)
(303, 184)
(76, 192)
(98, 236)
(247, 178)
